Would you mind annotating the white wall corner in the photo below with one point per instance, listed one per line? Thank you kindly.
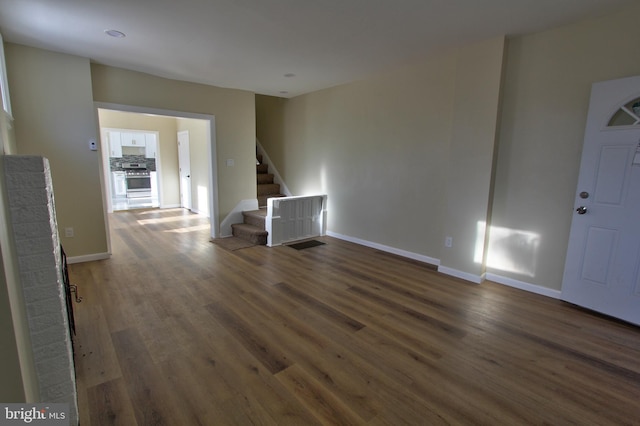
(477, 279)
(235, 216)
(197, 211)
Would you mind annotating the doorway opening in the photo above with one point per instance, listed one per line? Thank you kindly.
(161, 158)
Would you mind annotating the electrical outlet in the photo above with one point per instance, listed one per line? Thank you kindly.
(448, 242)
(68, 232)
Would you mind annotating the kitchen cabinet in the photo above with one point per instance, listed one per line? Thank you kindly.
(115, 146)
(132, 139)
(119, 184)
(151, 145)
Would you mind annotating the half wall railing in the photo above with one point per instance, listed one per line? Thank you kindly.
(295, 218)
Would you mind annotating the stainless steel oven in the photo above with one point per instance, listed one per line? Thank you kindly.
(138, 180)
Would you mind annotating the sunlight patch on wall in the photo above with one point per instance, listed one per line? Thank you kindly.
(510, 250)
(203, 200)
(323, 179)
(315, 184)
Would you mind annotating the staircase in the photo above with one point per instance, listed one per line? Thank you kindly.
(252, 229)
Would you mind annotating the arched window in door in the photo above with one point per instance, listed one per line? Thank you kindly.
(627, 115)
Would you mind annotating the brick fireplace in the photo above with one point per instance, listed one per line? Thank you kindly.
(35, 233)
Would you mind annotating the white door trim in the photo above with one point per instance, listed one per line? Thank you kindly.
(184, 159)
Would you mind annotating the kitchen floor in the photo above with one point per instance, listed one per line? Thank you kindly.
(135, 203)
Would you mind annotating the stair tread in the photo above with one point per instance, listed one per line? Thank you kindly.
(259, 212)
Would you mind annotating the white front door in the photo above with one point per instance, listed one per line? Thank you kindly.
(184, 167)
(602, 270)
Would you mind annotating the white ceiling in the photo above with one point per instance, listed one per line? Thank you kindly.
(252, 44)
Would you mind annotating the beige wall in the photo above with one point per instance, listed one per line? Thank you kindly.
(198, 156)
(385, 149)
(377, 147)
(234, 112)
(471, 152)
(54, 118)
(167, 145)
(17, 368)
(53, 97)
(54, 114)
(11, 388)
(13, 325)
(546, 95)
(404, 157)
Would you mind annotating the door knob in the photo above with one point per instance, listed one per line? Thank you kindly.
(581, 210)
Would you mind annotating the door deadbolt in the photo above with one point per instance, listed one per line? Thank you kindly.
(584, 194)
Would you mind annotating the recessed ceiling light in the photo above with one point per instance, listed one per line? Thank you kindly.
(290, 74)
(115, 33)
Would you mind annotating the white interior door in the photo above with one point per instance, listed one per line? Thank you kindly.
(602, 267)
(184, 164)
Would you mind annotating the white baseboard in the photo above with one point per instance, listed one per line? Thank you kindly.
(170, 206)
(532, 288)
(462, 275)
(88, 258)
(388, 249)
(196, 211)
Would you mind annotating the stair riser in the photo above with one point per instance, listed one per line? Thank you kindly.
(255, 238)
(264, 178)
(262, 168)
(255, 221)
(260, 240)
(267, 189)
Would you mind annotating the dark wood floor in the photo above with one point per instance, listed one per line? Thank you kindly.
(176, 330)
